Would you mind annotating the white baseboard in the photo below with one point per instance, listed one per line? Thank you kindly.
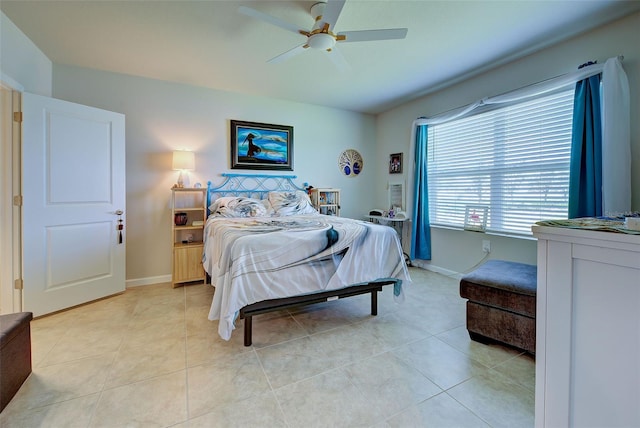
(446, 272)
(147, 281)
(437, 269)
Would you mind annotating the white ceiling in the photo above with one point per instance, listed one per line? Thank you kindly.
(210, 44)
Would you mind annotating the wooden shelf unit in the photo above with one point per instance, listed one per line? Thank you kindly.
(326, 201)
(188, 239)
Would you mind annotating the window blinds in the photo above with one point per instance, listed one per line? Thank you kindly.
(515, 160)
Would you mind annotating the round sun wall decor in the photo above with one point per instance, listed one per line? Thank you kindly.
(350, 163)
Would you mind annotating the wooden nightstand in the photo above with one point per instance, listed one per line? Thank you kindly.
(188, 215)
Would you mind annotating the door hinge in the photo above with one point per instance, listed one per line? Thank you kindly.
(17, 116)
(18, 284)
(17, 200)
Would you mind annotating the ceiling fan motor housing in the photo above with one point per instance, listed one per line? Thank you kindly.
(317, 9)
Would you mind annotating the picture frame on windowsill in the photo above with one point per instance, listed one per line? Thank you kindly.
(475, 218)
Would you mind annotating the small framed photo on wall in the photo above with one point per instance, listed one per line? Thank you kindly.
(395, 163)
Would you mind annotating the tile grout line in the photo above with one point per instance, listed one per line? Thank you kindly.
(107, 376)
(186, 358)
(272, 390)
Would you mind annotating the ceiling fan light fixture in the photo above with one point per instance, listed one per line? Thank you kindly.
(322, 41)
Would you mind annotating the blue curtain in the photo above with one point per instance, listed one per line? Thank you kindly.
(585, 169)
(421, 231)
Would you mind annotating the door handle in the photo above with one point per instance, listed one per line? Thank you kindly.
(120, 225)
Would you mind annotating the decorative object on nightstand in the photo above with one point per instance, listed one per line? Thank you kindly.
(326, 201)
(396, 196)
(180, 219)
(183, 161)
(189, 211)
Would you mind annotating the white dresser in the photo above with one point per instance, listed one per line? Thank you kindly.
(588, 328)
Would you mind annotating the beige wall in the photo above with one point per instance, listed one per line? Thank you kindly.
(163, 116)
(457, 250)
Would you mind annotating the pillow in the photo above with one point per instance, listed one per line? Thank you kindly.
(229, 206)
(219, 203)
(267, 206)
(291, 203)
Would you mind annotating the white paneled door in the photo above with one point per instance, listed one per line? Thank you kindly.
(73, 177)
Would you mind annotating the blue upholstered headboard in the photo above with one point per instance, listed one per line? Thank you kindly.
(250, 185)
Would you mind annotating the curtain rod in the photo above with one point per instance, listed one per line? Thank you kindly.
(620, 58)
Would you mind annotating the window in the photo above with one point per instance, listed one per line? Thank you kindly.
(515, 160)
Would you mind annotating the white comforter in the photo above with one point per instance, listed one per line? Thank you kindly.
(255, 259)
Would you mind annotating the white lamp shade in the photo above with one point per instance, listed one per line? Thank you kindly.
(183, 160)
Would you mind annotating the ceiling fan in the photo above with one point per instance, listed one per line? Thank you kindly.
(322, 35)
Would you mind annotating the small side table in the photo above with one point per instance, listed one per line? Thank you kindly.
(397, 224)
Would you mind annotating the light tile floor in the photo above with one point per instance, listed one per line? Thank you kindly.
(150, 357)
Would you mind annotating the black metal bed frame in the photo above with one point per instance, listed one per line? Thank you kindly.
(267, 306)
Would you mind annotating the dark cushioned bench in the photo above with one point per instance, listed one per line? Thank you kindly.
(501, 303)
(15, 354)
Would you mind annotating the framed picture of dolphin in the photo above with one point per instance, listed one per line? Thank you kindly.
(261, 146)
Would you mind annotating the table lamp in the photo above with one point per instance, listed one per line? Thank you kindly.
(183, 161)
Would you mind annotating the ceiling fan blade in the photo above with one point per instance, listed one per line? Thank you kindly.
(332, 12)
(369, 35)
(288, 54)
(270, 19)
(338, 59)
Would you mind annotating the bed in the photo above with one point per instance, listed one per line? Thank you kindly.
(266, 248)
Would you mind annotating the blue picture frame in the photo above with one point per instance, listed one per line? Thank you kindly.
(262, 146)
